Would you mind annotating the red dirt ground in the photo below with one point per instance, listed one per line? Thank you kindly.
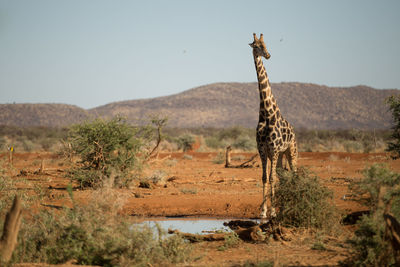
(195, 186)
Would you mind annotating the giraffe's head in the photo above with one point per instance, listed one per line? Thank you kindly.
(259, 48)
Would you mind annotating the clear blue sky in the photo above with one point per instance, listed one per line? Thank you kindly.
(93, 52)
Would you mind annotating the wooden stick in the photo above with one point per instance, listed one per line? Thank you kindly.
(228, 156)
(12, 223)
(247, 164)
(252, 234)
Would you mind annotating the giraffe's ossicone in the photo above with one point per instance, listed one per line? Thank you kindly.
(275, 136)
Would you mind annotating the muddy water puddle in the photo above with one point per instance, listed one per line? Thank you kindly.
(191, 225)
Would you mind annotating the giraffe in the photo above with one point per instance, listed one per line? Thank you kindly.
(275, 136)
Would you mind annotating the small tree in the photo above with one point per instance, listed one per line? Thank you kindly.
(107, 149)
(394, 144)
(185, 142)
(159, 123)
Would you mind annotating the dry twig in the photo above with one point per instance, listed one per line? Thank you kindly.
(12, 223)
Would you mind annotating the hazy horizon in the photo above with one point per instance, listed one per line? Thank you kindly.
(146, 98)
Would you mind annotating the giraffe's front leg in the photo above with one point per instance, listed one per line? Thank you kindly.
(272, 177)
(265, 187)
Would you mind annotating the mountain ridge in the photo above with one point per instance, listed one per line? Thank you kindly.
(305, 105)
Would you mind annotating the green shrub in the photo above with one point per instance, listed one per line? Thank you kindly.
(231, 240)
(158, 177)
(27, 145)
(367, 146)
(232, 133)
(245, 143)
(238, 137)
(368, 244)
(396, 207)
(185, 142)
(353, 146)
(308, 140)
(214, 142)
(303, 202)
(108, 150)
(376, 177)
(31, 138)
(342, 140)
(369, 247)
(96, 234)
(47, 143)
(394, 142)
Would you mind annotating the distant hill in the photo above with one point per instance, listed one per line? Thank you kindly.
(55, 115)
(227, 104)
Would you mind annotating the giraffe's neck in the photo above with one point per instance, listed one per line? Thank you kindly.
(268, 104)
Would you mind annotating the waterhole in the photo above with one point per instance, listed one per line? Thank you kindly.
(192, 225)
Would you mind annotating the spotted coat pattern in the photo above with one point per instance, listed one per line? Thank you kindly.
(275, 136)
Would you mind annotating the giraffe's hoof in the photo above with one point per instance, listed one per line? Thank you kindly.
(273, 213)
(263, 214)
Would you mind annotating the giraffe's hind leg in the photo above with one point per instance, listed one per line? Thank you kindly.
(280, 161)
(291, 155)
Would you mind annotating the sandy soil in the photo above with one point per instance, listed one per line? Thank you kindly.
(195, 186)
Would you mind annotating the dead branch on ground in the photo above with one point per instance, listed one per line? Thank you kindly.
(247, 164)
(12, 223)
(248, 231)
(252, 234)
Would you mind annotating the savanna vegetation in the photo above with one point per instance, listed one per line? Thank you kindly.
(107, 154)
(26, 139)
(372, 243)
(94, 233)
(394, 142)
